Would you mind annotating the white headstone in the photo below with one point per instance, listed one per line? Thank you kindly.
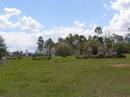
(26, 52)
(53, 52)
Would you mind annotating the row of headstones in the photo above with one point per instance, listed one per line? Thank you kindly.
(47, 51)
(102, 51)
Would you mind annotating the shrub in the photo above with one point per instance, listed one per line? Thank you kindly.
(64, 50)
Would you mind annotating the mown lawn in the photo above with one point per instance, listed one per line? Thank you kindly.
(65, 77)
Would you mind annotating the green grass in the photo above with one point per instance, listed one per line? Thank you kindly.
(65, 77)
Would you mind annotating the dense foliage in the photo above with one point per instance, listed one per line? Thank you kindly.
(102, 43)
(79, 44)
(2, 46)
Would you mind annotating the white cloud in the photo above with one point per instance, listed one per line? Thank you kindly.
(28, 30)
(5, 22)
(121, 20)
(12, 11)
(20, 41)
(25, 37)
(76, 28)
(28, 24)
(23, 23)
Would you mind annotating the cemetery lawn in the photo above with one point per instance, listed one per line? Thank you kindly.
(66, 77)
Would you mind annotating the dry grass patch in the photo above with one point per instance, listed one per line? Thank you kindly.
(120, 65)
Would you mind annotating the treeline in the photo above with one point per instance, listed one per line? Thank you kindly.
(102, 43)
(78, 45)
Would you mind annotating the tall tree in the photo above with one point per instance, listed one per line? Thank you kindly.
(119, 45)
(63, 49)
(98, 30)
(127, 38)
(60, 40)
(49, 44)
(118, 38)
(40, 44)
(2, 46)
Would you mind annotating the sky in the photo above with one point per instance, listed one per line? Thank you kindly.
(23, 21)
(61, 12)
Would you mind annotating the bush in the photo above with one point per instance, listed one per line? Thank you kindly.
(64, 50)
(128, 48)
(120, 48)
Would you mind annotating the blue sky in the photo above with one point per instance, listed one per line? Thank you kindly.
(62, 12)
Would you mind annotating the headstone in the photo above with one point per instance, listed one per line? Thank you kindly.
(76, 43)
(37, 51)
(45, 51)
(48, 51)
(77, 52)
(110, 52)
(2, 60)
(100, 51)
(89, 52)
(115, 53)
(26, 53)
(53, 52)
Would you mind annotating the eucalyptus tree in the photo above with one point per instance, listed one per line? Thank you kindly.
(119, 45)
(61, 40)
(40, 44)
(63, 49)
(3, 48)
(49, 44)
(118, 38)
(70, 39)
(91, 43)
(127, 41)
(127, 38)
(98, 30)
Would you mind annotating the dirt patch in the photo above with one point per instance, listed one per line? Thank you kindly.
(120, 65)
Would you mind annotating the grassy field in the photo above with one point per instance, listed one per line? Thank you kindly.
(66, 77)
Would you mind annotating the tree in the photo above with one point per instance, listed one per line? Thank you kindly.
(100, 39)
(119, 45)
(60, 40)
(108, 43)
(120, 48)
(128, 48)
(70, 39)
(127, 38)
(118, 38)
(82, 39)
(49, 44)
(2, 46)
(127, 41)
(98, 30)
(94, 44)
(40, 44)
(63, 50)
